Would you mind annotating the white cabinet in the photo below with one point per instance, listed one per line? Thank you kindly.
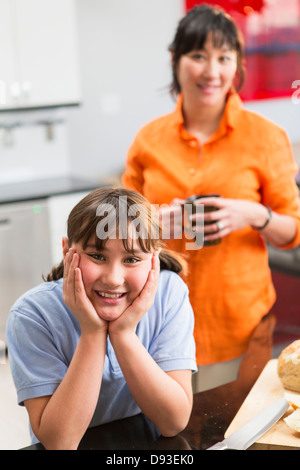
(38, 54)
(6, 51)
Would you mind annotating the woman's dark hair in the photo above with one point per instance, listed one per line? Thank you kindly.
(192, 33)
(118, 213)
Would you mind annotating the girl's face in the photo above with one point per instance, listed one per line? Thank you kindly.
(205, 76)
(113, 277)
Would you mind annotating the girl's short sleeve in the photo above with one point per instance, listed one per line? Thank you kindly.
(37, 364)
(173, 345)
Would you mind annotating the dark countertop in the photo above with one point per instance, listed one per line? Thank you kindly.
(213, 411)
(44, 188)
(211, 416)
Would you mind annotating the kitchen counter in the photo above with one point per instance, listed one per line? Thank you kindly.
(213, 411)
(43, 188)
(209, 421)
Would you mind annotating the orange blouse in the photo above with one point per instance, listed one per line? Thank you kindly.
(248, 157)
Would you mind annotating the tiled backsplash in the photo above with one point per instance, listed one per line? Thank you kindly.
(33, 145)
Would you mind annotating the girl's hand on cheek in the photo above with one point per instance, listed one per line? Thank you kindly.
(133, 314)
(75, 297)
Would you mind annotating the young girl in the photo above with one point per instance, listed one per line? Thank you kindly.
(110, 334)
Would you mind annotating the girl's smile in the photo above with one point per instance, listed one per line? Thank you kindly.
(111, 298)
(110, 295)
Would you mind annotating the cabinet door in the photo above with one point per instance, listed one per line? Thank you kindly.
(48, 51)
(39, 52)
(7, 66)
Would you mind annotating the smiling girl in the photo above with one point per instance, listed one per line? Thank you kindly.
(115, 316)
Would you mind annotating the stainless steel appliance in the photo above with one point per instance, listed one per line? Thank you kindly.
(25, 252)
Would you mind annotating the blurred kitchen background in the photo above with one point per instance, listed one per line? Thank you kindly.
(78, 78)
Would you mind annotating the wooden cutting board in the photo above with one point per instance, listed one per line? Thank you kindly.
(265, 391)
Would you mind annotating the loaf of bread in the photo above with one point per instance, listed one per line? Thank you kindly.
(289, 367)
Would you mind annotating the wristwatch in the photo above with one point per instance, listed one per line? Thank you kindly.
(266, 222)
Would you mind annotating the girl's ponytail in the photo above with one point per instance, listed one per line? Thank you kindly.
(172, 261)
(56, 273)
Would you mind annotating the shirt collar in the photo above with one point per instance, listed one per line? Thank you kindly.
(229, 120)
(179, 118)
(232, 110)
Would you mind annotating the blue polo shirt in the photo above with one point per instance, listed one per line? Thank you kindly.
(42, 334)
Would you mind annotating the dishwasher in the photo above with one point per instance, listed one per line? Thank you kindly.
(25, 252)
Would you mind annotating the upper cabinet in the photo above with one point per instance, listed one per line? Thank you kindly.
(38, 54)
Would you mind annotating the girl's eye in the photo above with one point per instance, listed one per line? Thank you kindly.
(96, 256)
(131, 260)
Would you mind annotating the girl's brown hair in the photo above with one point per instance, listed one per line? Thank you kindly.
(118, 213)
(192, 33)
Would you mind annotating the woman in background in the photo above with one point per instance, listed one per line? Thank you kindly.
(211, 145)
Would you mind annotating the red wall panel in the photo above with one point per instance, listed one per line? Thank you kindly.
(272, 39)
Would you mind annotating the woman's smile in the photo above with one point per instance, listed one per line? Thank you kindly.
(207, 88)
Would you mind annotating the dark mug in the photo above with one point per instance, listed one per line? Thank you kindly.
(191, 201)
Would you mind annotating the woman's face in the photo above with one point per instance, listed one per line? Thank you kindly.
(113, 277)
(206, 75)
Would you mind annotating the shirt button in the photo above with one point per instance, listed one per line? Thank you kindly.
(193, 143)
